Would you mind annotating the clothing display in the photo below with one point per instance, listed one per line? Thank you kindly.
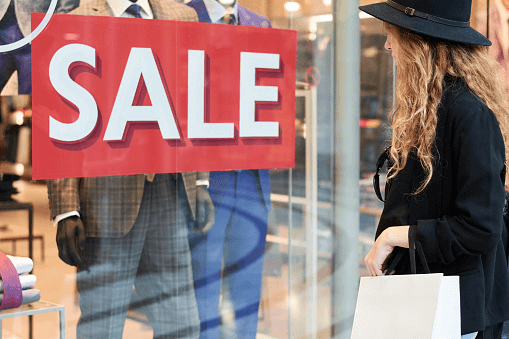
(242, 203)
(21, 264)
(29, 296)
(19, 286)
(136, 229)
(27, 282)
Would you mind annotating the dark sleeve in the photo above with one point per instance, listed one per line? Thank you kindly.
(473, 224)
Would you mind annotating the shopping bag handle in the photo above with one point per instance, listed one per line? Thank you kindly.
(376, 177)
(413, 242)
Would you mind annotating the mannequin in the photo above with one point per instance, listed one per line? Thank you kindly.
(131, 230)
(231, 254)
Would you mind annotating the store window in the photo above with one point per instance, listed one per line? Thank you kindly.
(268, 267)
(273, 280)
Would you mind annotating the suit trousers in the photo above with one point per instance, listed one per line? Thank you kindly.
(154, 257)
(237, 240)
(18, 59)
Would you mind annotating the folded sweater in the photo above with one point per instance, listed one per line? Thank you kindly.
(29, 296)
(27, 281)
(22, 264)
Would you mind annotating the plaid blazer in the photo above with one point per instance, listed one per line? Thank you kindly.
(109, 205)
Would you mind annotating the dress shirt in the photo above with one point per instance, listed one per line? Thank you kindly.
(119, 8)
(217, 11)
(65, 215)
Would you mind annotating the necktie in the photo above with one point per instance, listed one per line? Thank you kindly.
(229, 17)
(134, 10)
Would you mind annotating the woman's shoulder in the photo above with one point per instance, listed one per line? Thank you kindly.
(464, 116)
(461, 103)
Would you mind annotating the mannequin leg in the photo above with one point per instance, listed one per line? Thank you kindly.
(207, 256)
(244, 252)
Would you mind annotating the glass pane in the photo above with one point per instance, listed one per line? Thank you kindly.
(376, 103)
(273, 280)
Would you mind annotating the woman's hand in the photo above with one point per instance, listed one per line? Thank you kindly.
(383, 246)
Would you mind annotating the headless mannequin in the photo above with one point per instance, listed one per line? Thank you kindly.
(230, 257)
(71, 236)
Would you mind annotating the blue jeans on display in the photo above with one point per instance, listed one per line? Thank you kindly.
(237, 243)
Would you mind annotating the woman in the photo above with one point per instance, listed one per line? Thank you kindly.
(446, 163)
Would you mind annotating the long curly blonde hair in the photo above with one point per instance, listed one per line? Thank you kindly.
(422, 64)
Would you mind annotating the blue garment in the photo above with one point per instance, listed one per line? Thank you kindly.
(242, 203)
(238, 238)
(246, 16)
(18, 59)
(14, 25)
(216, 11)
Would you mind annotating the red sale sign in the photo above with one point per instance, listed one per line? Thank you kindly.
(119, 96)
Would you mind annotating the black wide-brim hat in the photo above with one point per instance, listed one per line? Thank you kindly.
(443, 19)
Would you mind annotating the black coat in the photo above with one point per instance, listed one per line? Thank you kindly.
(459, 214)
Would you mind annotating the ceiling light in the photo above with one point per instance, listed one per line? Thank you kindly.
(292, 6)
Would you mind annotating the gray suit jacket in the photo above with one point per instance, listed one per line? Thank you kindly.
(109, 205)
(24, 8)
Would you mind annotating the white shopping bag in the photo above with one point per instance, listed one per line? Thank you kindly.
(424, 306)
